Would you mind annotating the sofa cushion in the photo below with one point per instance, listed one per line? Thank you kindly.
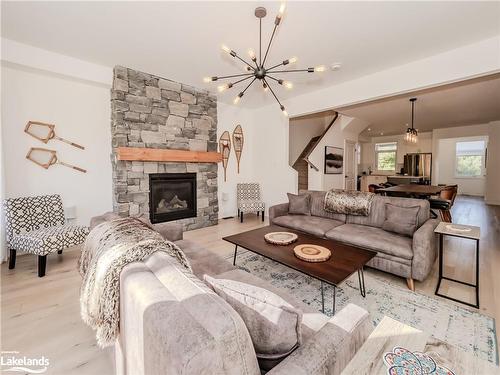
(273, 323)
(401, 220)
(315, 225)
(377, 211)
(373, 238)
(299, 204)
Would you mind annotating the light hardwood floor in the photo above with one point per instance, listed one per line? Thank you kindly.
(40, 316)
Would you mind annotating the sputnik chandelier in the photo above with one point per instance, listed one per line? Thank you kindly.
(258, 70)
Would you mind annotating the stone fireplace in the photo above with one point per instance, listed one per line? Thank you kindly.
(155, 113)
(172, 196)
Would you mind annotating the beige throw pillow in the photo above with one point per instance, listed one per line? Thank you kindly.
(401, 220)
(299, 204)
(273, 324)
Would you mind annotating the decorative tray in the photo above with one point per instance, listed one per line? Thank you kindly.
(457, 229)
(312, 253)
(280, 238)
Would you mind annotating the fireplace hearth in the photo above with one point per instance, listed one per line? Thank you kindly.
(172, 196)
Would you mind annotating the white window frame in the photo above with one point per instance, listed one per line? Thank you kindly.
(395, 155)
(483, 159)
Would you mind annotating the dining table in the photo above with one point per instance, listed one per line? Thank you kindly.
(413, 190)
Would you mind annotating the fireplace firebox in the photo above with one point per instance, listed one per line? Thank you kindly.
(172, 196)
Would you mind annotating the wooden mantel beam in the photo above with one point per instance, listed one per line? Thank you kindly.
(155, 154)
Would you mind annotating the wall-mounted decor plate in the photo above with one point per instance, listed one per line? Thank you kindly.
(281, 238)
(312, 253)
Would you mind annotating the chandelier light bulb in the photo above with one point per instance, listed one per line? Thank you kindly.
(226, 48)
(222, 88)
(265, 86)
(207, 79)
(288, 84)
(251, 53)
(237, 99)
(320, 68)
(282, 9)
(292, 60)
(284, 111)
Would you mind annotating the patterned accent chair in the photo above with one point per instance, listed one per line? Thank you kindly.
(36, 225)
(249, 200)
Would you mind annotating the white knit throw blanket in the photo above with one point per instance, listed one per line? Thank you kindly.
(108, 248)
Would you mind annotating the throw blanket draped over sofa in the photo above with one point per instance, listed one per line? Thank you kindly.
(108, 249)
(348, 202)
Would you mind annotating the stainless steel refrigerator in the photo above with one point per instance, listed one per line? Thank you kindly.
(419, 165)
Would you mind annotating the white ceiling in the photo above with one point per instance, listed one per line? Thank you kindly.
(472, 102)
(181, 40)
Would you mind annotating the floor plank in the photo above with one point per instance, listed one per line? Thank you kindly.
(40, 316)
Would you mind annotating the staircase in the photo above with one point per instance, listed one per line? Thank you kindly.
(301, 165)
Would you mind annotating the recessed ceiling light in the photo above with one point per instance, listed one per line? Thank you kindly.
(369, 129)
(335, 66)
(382, 133)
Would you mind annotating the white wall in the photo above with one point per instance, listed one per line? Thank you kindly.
(492, 188)
(81, 112)
(446, 166)
(454, 132)
(301, 130)
(342, 130)
(228, 116)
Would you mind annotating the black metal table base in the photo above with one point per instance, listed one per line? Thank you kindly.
(441, 277)
(361, 278)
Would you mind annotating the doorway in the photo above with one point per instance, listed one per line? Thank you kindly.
(350, 165)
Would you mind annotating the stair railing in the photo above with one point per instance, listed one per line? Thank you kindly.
(306, 157)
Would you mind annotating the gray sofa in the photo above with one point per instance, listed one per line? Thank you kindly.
(172, 323)
(408, 257)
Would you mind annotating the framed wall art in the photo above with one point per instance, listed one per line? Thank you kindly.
(334, 160)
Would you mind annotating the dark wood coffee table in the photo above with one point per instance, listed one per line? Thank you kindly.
(345, 259)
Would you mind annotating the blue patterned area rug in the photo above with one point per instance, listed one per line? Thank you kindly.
(468, 330)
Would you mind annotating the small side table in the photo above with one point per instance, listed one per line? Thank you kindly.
(462, 231)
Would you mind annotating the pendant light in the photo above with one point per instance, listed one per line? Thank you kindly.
(412, 133)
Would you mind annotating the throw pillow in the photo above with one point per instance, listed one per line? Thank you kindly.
(299, 204)
(273, 324)
(401, 220)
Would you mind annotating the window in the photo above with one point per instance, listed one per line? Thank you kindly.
(385, 156)
(470, 157)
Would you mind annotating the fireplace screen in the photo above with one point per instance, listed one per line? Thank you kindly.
(172, 196)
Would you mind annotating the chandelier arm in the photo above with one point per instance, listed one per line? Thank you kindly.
(260, 42)
(239, 58)
(269, 45)
(272, 92)
(241, 80)
(250, 84)
(275, 79)
(273, 67)
(235, 75)
(292, 71)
